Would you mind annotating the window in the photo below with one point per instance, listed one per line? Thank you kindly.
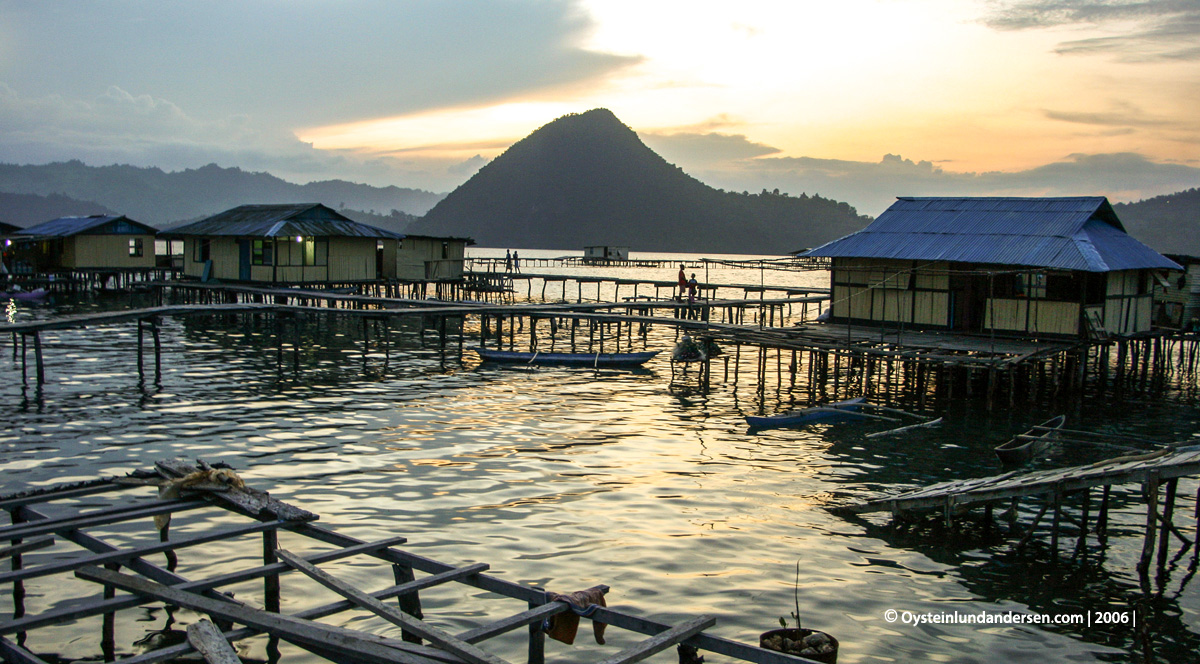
(303, 251)
(261, 252)
(135, 247)
(203, 250)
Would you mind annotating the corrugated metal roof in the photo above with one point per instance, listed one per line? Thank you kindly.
(1073, 233)
(68, 226)
(302, 219)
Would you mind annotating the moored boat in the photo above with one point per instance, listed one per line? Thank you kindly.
(1021, 448)
(830, 412)
(35, 295)
(576, 359)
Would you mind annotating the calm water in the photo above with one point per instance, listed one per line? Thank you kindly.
(567, 478)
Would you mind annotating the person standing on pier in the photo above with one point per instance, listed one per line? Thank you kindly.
(507, 260)
(516, 261)
(683, 283)
(692, 285)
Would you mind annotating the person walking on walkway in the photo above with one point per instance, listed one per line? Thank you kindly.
(683, 283)
(507, 260)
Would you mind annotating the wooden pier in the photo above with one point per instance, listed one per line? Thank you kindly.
(1154, 470)
(57, 545)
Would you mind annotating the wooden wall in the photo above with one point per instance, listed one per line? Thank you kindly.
(891, 292)
(99, 251)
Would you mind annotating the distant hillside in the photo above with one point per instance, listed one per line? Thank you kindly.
(28, 209)
(587, 179)
(1169, 224)
(155, 197)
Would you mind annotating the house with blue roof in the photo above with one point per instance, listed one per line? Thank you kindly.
(309, 243)
(109, 242)
(1022, 266)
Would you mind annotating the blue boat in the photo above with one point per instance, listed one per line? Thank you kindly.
(830, 412)
(574, 359)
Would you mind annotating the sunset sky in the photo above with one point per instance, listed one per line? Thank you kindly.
(858, 100)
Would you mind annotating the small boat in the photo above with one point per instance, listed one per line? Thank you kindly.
(576, 359)
(35, 295)
(830, 412)
(1022, 447)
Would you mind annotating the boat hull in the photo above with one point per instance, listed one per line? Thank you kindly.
(1020, 450)
(571, 359)
(848, 410)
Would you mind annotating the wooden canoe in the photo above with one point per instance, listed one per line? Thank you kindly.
(830, 412)
(573, 359)
(1022, 448)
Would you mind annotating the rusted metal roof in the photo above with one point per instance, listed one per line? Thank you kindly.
(1073, 233)
(300, 219)
(94, 224)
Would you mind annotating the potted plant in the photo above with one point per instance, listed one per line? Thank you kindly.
(809, 643)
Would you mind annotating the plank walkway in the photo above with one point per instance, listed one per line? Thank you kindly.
(961, 493)
(96, 569)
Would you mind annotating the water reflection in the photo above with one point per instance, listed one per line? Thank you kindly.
(569, 478)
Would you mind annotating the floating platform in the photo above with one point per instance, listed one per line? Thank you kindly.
(56, 545)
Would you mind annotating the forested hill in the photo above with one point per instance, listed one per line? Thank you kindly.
(160, 198)
(1169, 224)
(587, 179)
(24, 210)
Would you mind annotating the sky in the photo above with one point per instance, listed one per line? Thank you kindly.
(856, 100)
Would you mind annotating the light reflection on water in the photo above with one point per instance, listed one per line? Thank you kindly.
(568, 478)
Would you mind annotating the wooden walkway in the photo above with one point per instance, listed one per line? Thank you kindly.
(1164, 465)
(54, 550)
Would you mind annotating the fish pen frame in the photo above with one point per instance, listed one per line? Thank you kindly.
(39, 518)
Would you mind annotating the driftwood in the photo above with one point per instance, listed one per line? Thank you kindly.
(930, 423)
(208, 641)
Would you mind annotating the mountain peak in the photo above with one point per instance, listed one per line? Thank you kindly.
(587, 179)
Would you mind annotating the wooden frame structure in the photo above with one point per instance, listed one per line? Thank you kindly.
(43, 517)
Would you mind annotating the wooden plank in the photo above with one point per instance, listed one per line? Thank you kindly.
(251, 502)
(97, 518)
(172, 652)
(120, 555)
(27, 623)
(660, 642)
(510, 623)
(440, 638)
(32, 545)
(208, 641)
(347, 642)
(15, 654)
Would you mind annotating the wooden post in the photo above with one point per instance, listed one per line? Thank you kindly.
(270, 581)
(37, 358)
(157, 351)
(140, 362)
(1167, 515)
(1151, 491)
(1102, 519)
(410, 603)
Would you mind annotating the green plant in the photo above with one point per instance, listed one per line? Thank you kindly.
(796, 597)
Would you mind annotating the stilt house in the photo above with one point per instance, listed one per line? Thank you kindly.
(1177, 305)
(93, 242)
(1022, 266)
(427, 258)
(290, 243)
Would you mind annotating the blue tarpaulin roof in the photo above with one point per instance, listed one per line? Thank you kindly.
(97, 223)
(302, 219)
(1075, 233)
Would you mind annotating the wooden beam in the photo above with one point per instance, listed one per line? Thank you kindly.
(208, 641)
(442, 639)
(32, 545)
(662, 641)
(348, 642)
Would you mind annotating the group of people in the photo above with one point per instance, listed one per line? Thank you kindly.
(689, 285)
(511, 261)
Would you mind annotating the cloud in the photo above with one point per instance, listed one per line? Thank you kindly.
(1161, 29)
(141, 130)
(707, 148)
(304, 63)
(872, 186)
